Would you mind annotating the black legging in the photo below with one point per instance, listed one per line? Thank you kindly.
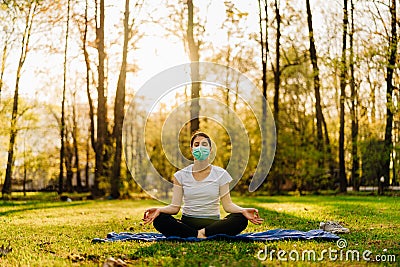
(232, 224)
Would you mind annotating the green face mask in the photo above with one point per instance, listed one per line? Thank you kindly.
(201, 152)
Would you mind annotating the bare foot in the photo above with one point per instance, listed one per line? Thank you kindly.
(201, 233)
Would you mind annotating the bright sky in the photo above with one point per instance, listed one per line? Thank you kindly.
(155, 52)
(43, 69)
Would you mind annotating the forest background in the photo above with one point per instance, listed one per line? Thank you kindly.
(70, 70)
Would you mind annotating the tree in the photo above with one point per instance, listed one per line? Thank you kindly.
(194, 74)
(355, 173)
(372, 160)
(88, 70)
(75, 136)
(238, 54)
(130, 30)
(62, 129)
(277, 82)
(264, 47)
(277, 69)
(343, 82)
(68, 158)
(317, 84)
(91, 133)
(119, 112)
(264, 59)
(101, 104)
(189, 28)
(29, 10)
(389, 91)
(87, 165)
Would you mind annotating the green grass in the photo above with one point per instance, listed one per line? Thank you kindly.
(53, 233)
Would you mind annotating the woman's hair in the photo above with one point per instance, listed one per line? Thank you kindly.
(196, 134)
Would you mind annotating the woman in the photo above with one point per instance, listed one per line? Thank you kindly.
(202, 186)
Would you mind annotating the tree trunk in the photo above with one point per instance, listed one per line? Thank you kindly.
(355, 169)
(91, 133)
(228, 63)
(389, 92)
(25, 169)
(314, 61)
(101, 107)
(6, 190)
(87, 167)
(277, 73)
(119, 111)
(194, 58)
(62, 130)
(343, 77)
(87, 63)
(264, 51)
(277, 82)
(328, 149)
(75, 146)
(68, 166)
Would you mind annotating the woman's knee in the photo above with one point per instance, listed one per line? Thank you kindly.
(161, 220)
(240, 220)
(243, 220)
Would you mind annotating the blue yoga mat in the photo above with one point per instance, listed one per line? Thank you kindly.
(271, 235)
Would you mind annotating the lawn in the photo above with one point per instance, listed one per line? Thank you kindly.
(54, 233)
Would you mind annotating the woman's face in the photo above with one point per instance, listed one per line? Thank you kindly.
(200, 141)
(200, 148)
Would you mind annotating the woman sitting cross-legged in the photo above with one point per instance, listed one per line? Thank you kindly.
(202, 187)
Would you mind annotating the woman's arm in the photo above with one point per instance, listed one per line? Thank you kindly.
(250, 213)
(226, 200)
(173, 208)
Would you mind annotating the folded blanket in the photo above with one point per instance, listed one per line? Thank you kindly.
(271, 235)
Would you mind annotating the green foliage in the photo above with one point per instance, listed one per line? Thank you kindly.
(372, 161)
(32, 155)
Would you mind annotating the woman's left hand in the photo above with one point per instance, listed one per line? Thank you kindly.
(252, 215)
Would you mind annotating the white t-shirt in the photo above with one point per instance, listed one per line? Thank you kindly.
(201, 198)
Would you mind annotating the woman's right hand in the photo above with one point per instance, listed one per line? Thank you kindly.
(150, 215)
(252, 215)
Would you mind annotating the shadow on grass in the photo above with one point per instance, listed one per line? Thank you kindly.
(28, 206)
